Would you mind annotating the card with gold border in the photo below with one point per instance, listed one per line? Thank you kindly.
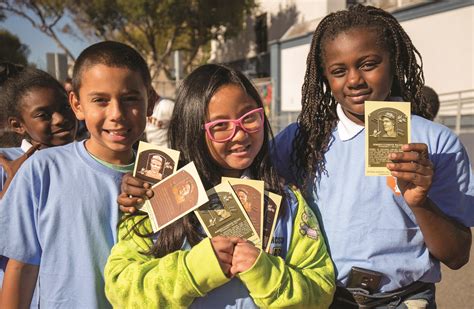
(387, 128)
(154, 163)
(272, 203)
(224, 215)
(251, 195)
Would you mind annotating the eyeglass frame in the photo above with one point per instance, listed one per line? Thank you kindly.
(237, 123)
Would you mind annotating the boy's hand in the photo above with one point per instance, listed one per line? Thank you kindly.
(224, 248)
(414, 172)
(245, 255)
(11, 167)
(133, 193)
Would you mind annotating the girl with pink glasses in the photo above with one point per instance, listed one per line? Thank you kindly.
(218, 122)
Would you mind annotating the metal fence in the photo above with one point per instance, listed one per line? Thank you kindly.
(456, 112)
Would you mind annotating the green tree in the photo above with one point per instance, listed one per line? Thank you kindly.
(11, 49)
(157, 28)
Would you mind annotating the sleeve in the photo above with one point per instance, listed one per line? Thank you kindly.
(136, 280)
(305, 279)
(280, 151)
(452, 189)
(19, 216)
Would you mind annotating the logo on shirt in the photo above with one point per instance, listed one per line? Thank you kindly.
(309, 225)
(275, 248)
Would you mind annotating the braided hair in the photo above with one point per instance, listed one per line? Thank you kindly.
(318, 115)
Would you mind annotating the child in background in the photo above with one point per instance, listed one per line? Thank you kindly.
(401, 227)
(35, 106)
(64, 219)
(219, 124)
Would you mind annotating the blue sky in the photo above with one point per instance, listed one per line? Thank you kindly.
(38, 43)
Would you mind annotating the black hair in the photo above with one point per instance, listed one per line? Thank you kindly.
(16, 82)
(112, 54)
(432, 99)
(318, 115)
(187, 135)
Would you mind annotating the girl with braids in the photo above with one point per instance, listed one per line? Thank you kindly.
(218, 123)
(400, 226)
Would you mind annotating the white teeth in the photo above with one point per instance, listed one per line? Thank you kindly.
(117, 132)
(240, 149)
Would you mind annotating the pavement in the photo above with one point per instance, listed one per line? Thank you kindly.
(456, 289)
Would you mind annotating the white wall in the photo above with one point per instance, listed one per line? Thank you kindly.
(308, 9)
(293, 67)
(446, 43)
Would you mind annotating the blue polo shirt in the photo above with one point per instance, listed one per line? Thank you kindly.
(366, 221)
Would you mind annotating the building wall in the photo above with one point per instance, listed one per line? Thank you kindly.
(445, 41)
(281, 15)
(307, 9)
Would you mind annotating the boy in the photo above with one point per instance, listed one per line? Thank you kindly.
(59, 216)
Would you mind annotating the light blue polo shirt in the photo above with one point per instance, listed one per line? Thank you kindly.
(61, 213)
(369, 225)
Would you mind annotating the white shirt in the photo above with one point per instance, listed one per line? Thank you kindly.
(156, 129)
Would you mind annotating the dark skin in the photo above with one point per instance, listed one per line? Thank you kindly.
(446, 239)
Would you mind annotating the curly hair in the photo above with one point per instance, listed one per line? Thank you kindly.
(16, 82)
(318, 115)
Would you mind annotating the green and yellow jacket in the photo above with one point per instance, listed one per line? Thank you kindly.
(192, 277)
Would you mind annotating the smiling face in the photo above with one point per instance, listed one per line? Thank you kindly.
(113, 103)
(358, 69)
(237, 154)
(46, 117)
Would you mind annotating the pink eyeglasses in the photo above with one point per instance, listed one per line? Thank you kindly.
(222, 130)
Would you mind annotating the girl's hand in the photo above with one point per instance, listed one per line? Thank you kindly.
(224, 248)
(133, 193)
(414, 172)
(245, 255)
(11, 167)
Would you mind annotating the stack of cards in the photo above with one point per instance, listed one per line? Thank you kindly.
(387, 128)
(176, 193)
(242, 208)
(236, 207)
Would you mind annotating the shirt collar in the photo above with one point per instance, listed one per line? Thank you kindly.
(346, 128)
(25, 145)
